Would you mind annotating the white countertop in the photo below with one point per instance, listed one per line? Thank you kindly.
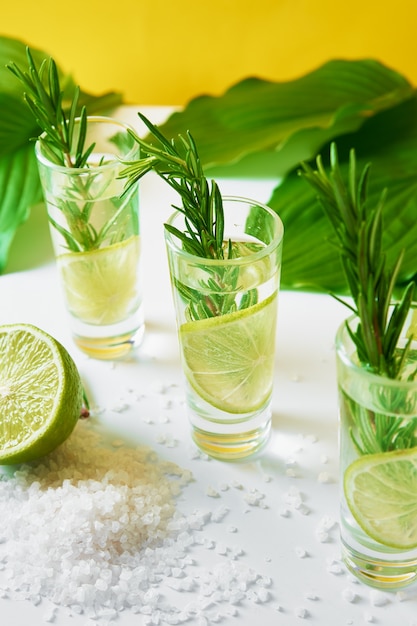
(277, 514)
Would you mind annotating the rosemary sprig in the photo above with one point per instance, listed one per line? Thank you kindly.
(44, 96)
(359, 228)
(63, 146)
(178, 163)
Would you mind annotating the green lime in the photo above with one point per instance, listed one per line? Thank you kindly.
(101, 285)
(41, 393)
(381, 492)
(229, 359)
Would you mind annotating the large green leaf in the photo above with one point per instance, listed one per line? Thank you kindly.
(262, 128)
(19, 189)
(389, 142)
(19, 179)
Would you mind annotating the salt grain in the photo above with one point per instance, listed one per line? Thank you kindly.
(301, 552)
(349, 595)
(301, 613)
(378, 598)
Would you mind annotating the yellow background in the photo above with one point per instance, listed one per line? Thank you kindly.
(168, 51)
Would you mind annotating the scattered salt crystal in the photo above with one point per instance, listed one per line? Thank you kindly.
(301, 612)
(232, 611)
(215, 618)
(212, 493)
(237, 485)
(290, 462)
(232, 529)
(324, 478)
(262, 595)
(219, 514)
(254, 498)
(224, 487)
(293, 497)
(291, 473)
(378, 598)
(35, 599)
(368, 618)
(349, 595)
(301, 552)
(285, 512)
(50, 614)
(327, 522)
(119, 408)
(221, 548)
(311, 595)
(264, 581)
(334, 567)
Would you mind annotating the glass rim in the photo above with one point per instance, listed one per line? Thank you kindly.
(71, 171)
(174, 242)
(345, 357)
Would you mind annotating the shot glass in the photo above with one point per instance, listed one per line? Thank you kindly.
(95, 233)
(378, 465)
(226, 312)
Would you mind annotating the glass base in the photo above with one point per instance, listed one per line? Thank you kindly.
(226, 436)
(109, 342)
(379, 572)
(109, 348)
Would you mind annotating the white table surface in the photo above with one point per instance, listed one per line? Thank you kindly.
(284, 515)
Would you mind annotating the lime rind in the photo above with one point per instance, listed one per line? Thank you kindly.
(381, 492)
(229, 359)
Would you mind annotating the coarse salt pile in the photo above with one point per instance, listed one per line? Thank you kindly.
(95, 529)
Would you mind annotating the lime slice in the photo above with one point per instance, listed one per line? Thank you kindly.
(101, 286)
(381, 492)
(229, 360)
(40, 393)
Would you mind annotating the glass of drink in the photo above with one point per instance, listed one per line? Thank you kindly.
(378, 464)
(226, 313)
(95, 234)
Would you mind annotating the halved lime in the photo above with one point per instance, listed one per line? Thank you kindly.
(229, 359)
(101, 285)
(41, 393)
(381, 492)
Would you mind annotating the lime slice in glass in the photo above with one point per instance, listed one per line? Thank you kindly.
(101, 285)
(41, 393)
(229, 360)
(381, 492)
